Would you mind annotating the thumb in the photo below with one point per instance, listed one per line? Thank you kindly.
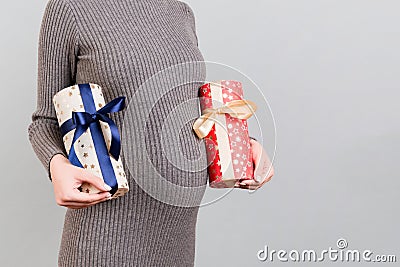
(96, 181)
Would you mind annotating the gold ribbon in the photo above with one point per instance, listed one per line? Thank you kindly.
(241, 109)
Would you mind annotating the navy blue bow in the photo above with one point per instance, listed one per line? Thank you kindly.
(82, 120)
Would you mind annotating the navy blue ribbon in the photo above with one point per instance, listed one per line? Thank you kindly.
(91, 118)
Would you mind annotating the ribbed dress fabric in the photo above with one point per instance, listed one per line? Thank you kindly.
(119, 44)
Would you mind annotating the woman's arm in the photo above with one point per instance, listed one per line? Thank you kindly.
(57, 53)
(57, 57)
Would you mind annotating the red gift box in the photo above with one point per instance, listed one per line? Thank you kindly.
(223, 126)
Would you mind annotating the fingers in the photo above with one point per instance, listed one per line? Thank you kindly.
(252, 184)
(77, 205)
(248, 184)
(69, 179)
(86, 198)
(81, 199)
(86, 176)
(249, 187)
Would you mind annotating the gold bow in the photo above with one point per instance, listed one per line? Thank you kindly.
(241, 109)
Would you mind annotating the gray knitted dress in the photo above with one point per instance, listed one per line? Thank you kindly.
(120, 44)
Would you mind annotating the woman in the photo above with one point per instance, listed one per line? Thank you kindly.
(119, 44)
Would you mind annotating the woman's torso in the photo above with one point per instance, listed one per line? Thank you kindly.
(123, 45)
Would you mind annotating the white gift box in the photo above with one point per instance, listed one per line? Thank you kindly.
(69, 100)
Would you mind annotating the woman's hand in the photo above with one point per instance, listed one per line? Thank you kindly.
(263, 168)
(67, 178)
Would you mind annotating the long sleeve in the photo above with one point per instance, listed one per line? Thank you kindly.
(57, 53)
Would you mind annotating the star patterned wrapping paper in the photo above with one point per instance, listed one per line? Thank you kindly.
(65, 102)
(229, 155)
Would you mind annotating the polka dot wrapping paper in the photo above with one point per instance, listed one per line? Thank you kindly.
(86, 147)
(229, 156)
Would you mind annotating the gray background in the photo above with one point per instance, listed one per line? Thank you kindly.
(329, 70)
